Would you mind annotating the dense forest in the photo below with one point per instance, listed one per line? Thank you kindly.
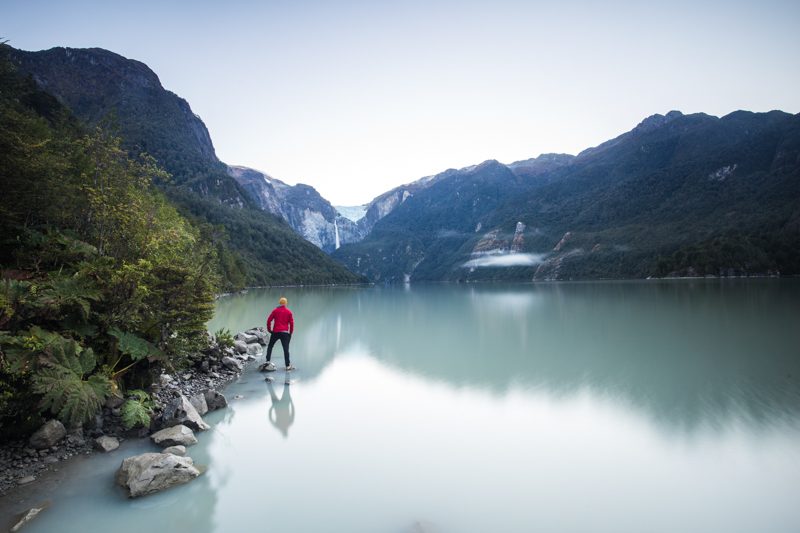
(102, 277)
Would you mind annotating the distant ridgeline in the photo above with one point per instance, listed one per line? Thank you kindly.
(126, 97)
(679, 195)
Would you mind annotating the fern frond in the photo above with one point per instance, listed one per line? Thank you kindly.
(135, 413)
(72, 399)
(134, 347)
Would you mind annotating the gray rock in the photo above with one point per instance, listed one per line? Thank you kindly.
(246, 337)
(179, 435)
(199, 402)
(240, 346)
(46, 436)
(153, 472)
(181, 411)
(204, 367)
(25, 480)
(260, 334)
(164, 379)
(76, 440)
(253, 349)
(215, 400)
(231, 363)
(106, 444)
(175, 450)
(26, 517)
(114, 401)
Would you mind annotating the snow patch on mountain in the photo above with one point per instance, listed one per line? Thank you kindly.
(352, 212)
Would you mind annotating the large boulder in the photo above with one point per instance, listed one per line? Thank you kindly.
(175, 450)
(231, 364)
(106, 444)
(178, 435)
(48, 435)
(153, 472)
(198, 401)
(215, 400)
(260, 335)
(181, 411)
(240, 346)
(247, 337)
(254, 349)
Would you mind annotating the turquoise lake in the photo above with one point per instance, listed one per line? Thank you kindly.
(659, 406)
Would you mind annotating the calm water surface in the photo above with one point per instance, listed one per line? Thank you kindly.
(619, 407)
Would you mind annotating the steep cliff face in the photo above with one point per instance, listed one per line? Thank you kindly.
(98, 85)
(301, 206)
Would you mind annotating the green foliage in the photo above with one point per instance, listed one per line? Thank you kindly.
(64, 380)
(102, 277)
(134, 347)
(137, 409)
(224, 338)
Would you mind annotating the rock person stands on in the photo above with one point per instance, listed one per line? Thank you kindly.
(280, 324)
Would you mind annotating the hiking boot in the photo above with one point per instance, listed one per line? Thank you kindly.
(290, 368)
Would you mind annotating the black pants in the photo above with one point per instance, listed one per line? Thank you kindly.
(284, 337)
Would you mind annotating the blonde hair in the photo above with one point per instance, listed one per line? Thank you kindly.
(283, 301)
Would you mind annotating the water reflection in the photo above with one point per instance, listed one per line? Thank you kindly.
(688, 354)
(281, 411)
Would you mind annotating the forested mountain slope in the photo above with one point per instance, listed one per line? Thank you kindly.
(124, 95)
(677, 195)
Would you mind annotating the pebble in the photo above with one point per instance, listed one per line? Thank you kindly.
(26, 479)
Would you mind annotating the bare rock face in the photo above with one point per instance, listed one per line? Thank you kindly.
(48, 435)
(198, 401)
(178, 435)
(175, 450)
(106, 444)
(153, 472)
(215, 400)
(181, 411)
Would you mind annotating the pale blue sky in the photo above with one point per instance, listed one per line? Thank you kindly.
(357, 97)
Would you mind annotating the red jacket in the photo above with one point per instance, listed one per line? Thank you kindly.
(283, 320)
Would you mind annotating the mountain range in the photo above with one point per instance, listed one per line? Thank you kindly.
(678, 195)
(103, 88)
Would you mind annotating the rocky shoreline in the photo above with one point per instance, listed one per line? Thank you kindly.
(22, 462)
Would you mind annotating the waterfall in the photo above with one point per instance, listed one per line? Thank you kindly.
(336, 234)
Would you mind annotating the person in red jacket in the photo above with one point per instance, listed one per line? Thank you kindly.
(280, 324)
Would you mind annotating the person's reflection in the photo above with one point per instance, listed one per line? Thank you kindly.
(281, 413)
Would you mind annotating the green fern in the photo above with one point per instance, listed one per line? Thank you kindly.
(136, 410)
(64, 292)
(65, 390)
(134, 347)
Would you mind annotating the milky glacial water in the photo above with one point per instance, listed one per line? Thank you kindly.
(616, 406)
